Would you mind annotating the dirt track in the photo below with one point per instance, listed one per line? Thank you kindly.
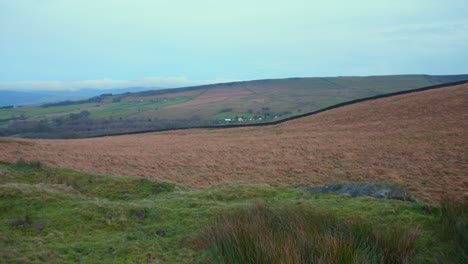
(419, 140)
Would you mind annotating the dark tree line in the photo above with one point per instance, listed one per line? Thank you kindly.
(81, 126)
(95, 99)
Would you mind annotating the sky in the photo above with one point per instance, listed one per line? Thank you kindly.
(73, 44)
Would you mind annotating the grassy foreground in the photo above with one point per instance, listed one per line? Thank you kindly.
(64, 216)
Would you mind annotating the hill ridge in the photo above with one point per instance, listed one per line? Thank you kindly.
(272, 123)
(430, 78)
(226, 104)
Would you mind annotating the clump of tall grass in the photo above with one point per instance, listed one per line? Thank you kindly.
(454, 226)
(259, 234)
(23, 164)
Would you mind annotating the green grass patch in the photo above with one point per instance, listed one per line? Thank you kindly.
(97, 110)
(135, 108)
(37, 111)
(65, 216)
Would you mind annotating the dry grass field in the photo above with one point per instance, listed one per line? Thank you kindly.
(418, 140)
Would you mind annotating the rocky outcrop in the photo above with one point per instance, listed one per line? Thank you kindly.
(372, 189)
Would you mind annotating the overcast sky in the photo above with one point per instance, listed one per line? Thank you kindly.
(55, 44)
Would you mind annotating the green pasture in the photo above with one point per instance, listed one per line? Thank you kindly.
(65, 216)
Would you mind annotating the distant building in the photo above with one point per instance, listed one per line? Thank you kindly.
(227, 119)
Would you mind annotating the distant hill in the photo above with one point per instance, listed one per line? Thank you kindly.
(16, 98)
(248, 102)
(25, 98)
(418, 140)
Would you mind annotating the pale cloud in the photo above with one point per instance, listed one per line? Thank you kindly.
(457, 29)
(71, 85)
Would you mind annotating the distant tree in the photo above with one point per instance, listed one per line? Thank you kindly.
(58, 121)
(42, 126)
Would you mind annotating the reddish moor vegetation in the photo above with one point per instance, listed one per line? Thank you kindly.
(419, 140)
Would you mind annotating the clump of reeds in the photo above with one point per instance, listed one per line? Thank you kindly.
(454, 226)
(21, 163)
(259, 234)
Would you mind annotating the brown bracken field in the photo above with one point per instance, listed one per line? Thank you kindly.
(418, 140)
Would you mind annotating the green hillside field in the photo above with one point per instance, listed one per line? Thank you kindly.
(218, 104)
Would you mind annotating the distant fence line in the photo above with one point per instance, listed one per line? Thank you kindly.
(438, 86)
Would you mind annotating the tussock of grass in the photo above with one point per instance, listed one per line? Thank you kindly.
(260, 234)
(23, 164)
(454, 227)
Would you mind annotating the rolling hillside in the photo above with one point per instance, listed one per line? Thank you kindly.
(209, 105)
(418, 140)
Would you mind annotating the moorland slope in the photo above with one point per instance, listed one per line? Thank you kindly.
(418, 140)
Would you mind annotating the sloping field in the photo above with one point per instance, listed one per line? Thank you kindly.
(419, 140)
(243, 102)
